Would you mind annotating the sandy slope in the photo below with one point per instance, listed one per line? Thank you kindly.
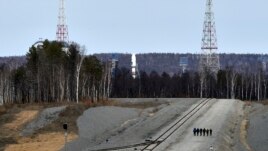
(17, 117)
(43, 142)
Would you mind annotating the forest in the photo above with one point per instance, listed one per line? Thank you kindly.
(53, 72)
(170, 62)
(58, 72)
(228, 83)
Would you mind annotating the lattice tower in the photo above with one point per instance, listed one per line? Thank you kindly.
(62, 28)
(209, 59)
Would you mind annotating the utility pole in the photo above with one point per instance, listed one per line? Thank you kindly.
(62, 28)
(209, 59)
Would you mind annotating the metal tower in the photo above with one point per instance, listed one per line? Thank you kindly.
(62, 28)
(209, 59)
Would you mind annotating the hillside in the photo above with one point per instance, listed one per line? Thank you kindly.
(166, 62)
(170, 62)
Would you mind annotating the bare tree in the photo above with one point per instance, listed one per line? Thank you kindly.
(79, 62)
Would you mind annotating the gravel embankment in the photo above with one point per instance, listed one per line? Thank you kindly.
(258, 127)
(44, 118)
(98, 124)
(229, 134)
(125, 126)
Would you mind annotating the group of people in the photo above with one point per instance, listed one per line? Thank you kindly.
(202, 132)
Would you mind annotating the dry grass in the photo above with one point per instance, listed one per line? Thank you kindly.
(20, 119)
(42, 142)
(243, 134)
(264, 102)
(14, 117)
(2, 110)
(138, 105)
(12, 120)
(244, 127)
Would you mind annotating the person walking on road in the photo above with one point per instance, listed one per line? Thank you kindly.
(210, 132)
(204, 132)
(197, 131)
(207, 131)
(194, 131)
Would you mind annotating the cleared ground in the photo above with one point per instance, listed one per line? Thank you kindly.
(223, 116)
(258, 126)
(237, 126)
(216, 116)
(133, 126)
(36, 120)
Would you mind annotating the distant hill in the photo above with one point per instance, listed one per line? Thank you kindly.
(167, 62)
(13, 61)
(170, 62)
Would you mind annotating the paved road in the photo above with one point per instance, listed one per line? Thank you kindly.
(216, 114)
(213, 116)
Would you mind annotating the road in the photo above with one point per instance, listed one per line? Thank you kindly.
(220, 115)
(214, 115)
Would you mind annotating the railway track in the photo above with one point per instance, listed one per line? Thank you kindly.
(173, 128)
(123, 147)
(152, 145)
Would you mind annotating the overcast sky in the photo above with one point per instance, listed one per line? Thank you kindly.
(138, 26)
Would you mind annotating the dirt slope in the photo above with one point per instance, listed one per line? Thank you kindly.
(13, 120)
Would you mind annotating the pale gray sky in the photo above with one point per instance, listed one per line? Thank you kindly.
(138, 26)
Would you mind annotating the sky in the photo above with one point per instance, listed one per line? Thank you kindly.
(135, 26)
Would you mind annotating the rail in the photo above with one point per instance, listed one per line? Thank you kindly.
(173, 128)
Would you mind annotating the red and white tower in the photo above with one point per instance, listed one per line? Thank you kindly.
(209, 59)
(62, 28)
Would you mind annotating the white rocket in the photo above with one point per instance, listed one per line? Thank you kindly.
(134, 65)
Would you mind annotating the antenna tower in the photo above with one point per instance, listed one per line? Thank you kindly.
(209, 59)
(62, 28)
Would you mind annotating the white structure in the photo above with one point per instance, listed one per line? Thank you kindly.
(133, 66)
(183, 63)
(114, 65)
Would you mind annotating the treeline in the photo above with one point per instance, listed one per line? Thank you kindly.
(54, 72)
(228, 83)
(58, 72)
(170, 62)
